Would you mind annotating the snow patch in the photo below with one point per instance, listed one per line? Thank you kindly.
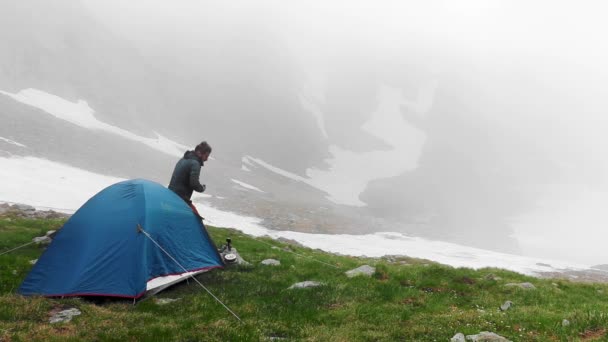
(12, 142)
(79, 113)
(251, 160)
(44, 183)
(390, 243)
(245, 185)
(350, 172)
(311, 107)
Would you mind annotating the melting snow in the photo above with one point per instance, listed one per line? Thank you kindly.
(43, 183)
(12, 142)
(79, 113)
(245, 185)
(48, 184)
(350, 172)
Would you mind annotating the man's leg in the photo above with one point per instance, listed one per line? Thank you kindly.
(191, 205)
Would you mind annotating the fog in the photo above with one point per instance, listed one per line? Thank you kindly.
(484, 119)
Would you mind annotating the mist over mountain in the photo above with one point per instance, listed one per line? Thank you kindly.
(425, 120)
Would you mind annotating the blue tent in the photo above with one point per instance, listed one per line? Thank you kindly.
(101, 250)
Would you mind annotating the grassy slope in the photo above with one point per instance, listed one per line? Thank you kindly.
(406, 300)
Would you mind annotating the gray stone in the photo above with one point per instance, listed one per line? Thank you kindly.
(271, 262)
(23, 207)
(33, 262)
(565, 323)
(290, 241)
(458, 338)
(42, 240)
(506, 306)
(305, 284)
(525, 286)
(163, 301)
(492, 277)
(364, 270)
(239, 260)
(486, 336)
(64, 316)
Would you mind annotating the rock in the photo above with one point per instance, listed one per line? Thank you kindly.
(290, 241)
(64, 316)
(163, 301)
(602, 267)
(506, 305)
(33, 262)
(23, 208)
(42, 240)
(271, 262)
(51, 234)
(364, 270)
(458, 338)
(492, 277)
(525, 286)
(305, 284)
(3, 210)
(485, 336)
(565, 323)
(51, 214)
(238, 261)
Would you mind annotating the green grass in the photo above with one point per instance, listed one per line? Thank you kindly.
(405, 300)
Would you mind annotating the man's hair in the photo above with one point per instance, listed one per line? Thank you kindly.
(203, 148)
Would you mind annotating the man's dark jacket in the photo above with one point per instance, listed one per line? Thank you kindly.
(185, 176)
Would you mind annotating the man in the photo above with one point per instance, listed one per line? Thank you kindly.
(185, 178)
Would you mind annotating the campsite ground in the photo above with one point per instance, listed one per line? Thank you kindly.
(405, 299)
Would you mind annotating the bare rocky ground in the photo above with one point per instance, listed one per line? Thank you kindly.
(583, 276)
(27, 211)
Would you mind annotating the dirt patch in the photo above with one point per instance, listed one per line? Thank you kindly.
(593, 334)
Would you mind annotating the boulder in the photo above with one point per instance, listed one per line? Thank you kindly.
(458, 338)
(486, 336)
(238, 261)
(64, 316)
(271, 262)
(491, 276)
(23, 208)
(42, 240)
(305, 284)
(364, 270)
(506, 306)
(525, 286)
(290, 241)
(163, 301)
